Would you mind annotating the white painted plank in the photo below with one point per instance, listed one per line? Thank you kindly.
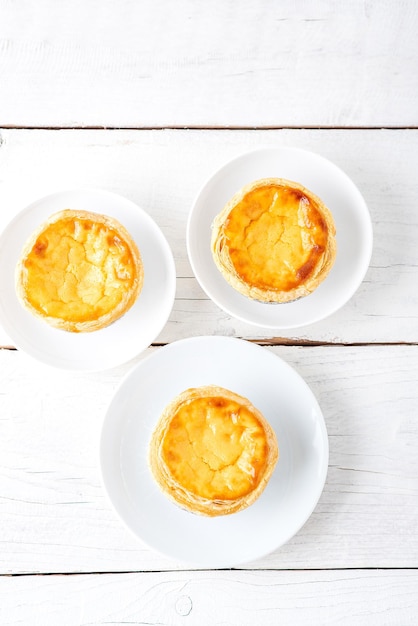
(369, 598)
(163, 170)
(156, 63)
(55, 516)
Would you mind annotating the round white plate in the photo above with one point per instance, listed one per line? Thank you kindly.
(126, 337)
(352, 220)
(274, 388)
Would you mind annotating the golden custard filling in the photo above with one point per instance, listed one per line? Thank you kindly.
(215, 448)
(274, 241)
(79, 269)
(276, 236)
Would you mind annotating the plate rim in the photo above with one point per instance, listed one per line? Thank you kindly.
(367, 229)
(320, 483)
(168, 262)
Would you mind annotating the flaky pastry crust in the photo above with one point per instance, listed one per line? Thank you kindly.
(212, 452)
(274, 241)
(79, 271)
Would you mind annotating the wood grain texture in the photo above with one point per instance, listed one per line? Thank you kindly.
(221, 65)
(371, 598)
(163, 171)
(55, 516)
(161, 64)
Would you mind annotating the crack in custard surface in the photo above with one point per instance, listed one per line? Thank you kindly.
(275, 237)
(215, 448)
(78, 270)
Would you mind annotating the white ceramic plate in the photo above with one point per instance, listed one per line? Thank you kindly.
(126, 337)
(272, 386)
(352, 219)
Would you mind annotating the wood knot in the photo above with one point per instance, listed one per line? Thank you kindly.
(184, 605)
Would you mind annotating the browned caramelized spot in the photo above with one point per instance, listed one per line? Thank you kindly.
(39, 248)
(307, 268)
(217, 402)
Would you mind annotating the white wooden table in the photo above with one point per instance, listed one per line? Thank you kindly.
(147, 99)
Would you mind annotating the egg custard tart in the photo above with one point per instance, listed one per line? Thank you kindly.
(274, 241)
(79, 271)
(212, 451)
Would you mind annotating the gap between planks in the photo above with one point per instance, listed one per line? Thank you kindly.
(296, 343)
(222, 569)
(204, 127)
(311, 343)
